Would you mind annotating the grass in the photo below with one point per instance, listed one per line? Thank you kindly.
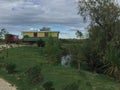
(26, 57)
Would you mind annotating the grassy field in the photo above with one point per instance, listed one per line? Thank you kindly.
(26, 57)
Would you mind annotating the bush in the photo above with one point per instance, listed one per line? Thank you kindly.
(34, 75)
(10, 68)
(53, 50)
(48, 85)
(73, 86)
(40, 43)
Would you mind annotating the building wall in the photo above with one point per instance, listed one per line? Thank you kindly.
(41, 34)
(30, 34)
(53, 34)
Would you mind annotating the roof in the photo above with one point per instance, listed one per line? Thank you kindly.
(11, 34)
(41, 31)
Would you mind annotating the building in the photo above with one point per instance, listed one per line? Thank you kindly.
(10, 38)
(33, 36)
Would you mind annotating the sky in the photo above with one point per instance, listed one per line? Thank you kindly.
(25, 15)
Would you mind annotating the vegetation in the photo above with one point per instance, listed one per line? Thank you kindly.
(45, 29)
(3, 32)
(102, 54)
(73, 86)
(53, 50)
(48, 85)
(60, 76)
(40, 43)
(34, 75)
(10, 68)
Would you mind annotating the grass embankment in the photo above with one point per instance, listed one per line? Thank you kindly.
(26, 57)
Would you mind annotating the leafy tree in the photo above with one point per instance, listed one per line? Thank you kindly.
(79, 34)
(104, 31)
(48, 85)
(53, 50)
(45, 29)
(3, 32)
(77, 55)
(34, 75)
(40, 43)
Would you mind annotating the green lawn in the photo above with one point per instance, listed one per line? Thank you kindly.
(26, 57)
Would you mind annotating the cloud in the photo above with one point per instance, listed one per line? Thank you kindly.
(22, 14)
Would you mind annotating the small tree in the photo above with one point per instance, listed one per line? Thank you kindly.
(72, 86)
(3, 32)
(79, 34)
(53, 50)
(10, 68)
(77, 54)
(40, 43)
(34, 75)
(45, 29)
(48, 85)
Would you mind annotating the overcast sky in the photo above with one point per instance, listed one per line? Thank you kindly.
(24, 15)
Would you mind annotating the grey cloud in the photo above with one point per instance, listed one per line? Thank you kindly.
(20, 14)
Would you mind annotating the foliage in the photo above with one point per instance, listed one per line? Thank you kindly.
(40, 43)
(26, 36)
(60, 76)
(73, 86)
(34, 75)
(79, 34)
(45, 29)
(3, 32)
(48, 85)
(10, 68)
(77, 54)
(53, 50)
(104, 34)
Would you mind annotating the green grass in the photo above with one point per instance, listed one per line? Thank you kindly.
(26, 57)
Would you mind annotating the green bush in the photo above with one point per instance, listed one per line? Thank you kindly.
(53, 50)
(40, 43)
(48, 85)
(10, 68)
(73, 86)
(34, 75)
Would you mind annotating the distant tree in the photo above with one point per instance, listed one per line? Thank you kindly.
(3, 32)
(79, 34)
(45, 29)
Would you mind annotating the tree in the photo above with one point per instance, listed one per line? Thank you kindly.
(79, 34)
(53, 50)
(3, 32)
(45, 29)
(102, 13)
(104, 29)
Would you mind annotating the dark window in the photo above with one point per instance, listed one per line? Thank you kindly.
(35, 34)
(46, 34)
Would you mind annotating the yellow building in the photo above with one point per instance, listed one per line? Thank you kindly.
(35, 36)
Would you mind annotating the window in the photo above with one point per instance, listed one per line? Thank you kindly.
(46, 34)
(35, 34)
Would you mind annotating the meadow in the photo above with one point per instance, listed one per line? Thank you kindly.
(28, 56)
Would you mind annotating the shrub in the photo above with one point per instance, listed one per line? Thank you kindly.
(10, 68)
(73, 86)
(48, 85)
(34, 75)
(53, 50)
(40, 43)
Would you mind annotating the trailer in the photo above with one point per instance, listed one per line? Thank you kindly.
(10, 38)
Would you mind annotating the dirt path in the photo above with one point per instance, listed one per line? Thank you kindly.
(4, 85)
